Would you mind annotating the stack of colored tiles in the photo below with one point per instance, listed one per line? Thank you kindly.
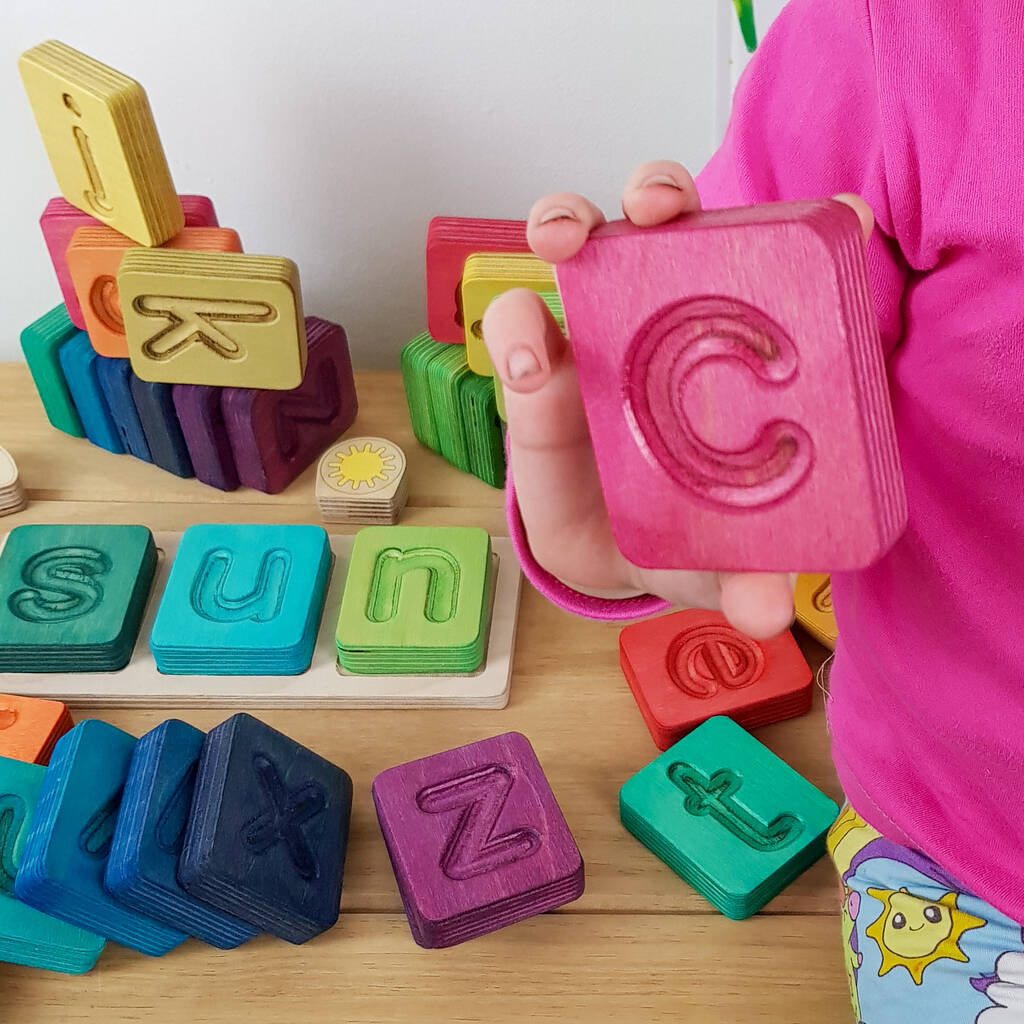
(142, 872)
(159, 298)
(202, 628)
(362, 480)
(476, 839)
(455, 403)
(688, 666)
(29, 729)
(727, 816)
(453, 412)
(146, 842)
(69, 838)
(484, 277)
(56, 618)
(12, 493)
(453, 584)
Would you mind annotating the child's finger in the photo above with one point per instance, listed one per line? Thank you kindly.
(759, 604)
(559, 224)
(552, 460)
(658, 191)
(861, 208)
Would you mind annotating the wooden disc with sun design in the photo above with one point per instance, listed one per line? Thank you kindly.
(362, 466)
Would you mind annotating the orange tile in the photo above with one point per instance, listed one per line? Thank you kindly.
(93, 258)
(29, 727)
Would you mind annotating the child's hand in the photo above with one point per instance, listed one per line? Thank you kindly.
(553, 464)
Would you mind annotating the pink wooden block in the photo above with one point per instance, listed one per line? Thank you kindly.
(450, 241)
(476, 839)
(60, 220)
(275, 435)
(735, 388)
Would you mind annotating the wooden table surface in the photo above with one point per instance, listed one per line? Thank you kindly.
(640, 945)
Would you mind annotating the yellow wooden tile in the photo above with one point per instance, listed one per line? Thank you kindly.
(813, 600)
(487, 275)
(101, 140)
(226, 319)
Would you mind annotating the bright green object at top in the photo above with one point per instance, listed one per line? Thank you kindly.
(745, 12)
(416, 601)
(728, 816)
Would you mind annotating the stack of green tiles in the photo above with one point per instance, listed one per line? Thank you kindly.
(453, 411)
(728, 816)
(417, 601)
(414, 358)
(72, 597)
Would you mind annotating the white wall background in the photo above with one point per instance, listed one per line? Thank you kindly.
(330, 131)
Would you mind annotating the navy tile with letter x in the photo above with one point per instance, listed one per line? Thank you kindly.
(269, 827)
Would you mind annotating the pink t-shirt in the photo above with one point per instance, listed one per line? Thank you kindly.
(919, 108)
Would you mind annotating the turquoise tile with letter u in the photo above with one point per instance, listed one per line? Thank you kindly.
(242, 600)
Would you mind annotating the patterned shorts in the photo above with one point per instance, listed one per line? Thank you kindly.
(918, 948)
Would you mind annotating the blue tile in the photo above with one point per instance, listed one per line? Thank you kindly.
(115, 379)
(78, 360)
(28, 936)
(155, 403)
(69, 839)
(143, 865)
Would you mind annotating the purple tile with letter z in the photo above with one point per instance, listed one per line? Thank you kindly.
(202, 423)
(477, 840)
(275, 435)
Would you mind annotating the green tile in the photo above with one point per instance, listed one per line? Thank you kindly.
(728, 815)
(554, 303)
(416, 355)
(41, 341)
(446, 373)
(416, 598)
(72, 597)
(485, 438)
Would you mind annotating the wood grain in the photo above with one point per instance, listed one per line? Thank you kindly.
(749, 427)
(639, 945)
(656, 969)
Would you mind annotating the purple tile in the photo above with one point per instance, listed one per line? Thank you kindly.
(202, 423)
(476, 839)
(275, 435)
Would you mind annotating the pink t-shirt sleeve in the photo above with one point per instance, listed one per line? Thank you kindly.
(806, 123)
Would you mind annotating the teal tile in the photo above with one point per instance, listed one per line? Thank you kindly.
(72, 596)
(41, 342)
(728, 815)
